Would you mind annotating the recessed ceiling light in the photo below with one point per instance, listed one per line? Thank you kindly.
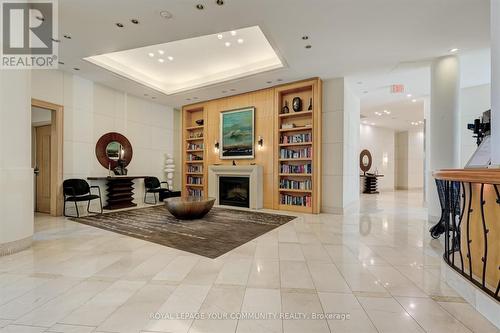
(146, 95)
(378, 113)
(308, 46)
(453, 50)
(119, 25)
(195, 97)
(170, 58)
(55, 40)
(200, 6)
(67, 36)
(151, 54)
(305, 37)
(408, 95)
(240, 40)
(134, 21)
(224, 91)
(188, 99)
(60, 63)
(166, 14)
(232, 89)
(161, 60)
(219, 36)
(228, 44)
(233, 33)
(161, 52)
(387, 112)
(373, 124)
(365, 92)
(414, 100)
(76, 68)
(279, 80)
(269, 82)
(220, 2)
(153, 97)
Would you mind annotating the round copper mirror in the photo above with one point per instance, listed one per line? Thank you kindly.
(113, 149)
(365, 160)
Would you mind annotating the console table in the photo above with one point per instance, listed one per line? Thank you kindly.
(120, 191)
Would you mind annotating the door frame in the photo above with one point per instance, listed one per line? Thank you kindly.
(56, 157)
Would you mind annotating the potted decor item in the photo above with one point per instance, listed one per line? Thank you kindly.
(310, 104)
(285, 109)
(199, 122)
(297, 104)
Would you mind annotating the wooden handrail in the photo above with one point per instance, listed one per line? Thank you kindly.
(482, 176)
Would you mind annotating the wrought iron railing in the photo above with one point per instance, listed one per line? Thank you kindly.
(464, 206)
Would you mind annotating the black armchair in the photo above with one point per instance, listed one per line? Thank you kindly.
(77, 190)
(153, 185)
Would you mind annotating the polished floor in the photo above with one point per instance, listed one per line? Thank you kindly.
(373, 271)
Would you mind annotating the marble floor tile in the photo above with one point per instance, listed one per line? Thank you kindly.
(261, 301)
(265, 273)
(395, 282)
(204, 272)
(469, 317)
(177, 269)
(295, 275)
(306, 304)
(290, 251)
(22, 329)
(351, 315)
(96, 310)
(64, 328)
(135, 314)
(234, 272)
(326, 277)
(315, 252)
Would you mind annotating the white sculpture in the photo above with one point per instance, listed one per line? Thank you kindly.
(169, 170)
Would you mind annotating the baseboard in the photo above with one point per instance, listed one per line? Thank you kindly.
(349, 209)
(15, 246)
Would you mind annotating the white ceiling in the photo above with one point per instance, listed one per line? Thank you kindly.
(348, 37)
(179, 66)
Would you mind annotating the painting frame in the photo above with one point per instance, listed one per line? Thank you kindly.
(246, 129)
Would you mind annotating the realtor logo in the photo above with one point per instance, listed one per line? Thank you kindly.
(28, 29)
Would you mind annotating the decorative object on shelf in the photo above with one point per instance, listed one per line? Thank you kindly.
(365, 161)
(297, 104)
(260, 142)
(114, 152)
(288, 126)
(216, 147)
(237, 134)
(310, 104)
(199, 122)
(285, 108)
(234, 163)
(169, 170)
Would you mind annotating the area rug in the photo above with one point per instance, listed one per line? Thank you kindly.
(218, 232)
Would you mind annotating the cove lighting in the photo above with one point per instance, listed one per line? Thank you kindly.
(454, 50)
(199, 61)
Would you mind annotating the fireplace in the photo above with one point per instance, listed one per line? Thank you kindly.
(234, 191)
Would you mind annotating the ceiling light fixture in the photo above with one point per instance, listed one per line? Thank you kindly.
(170, 58)
(200, 6)
(224, 91)
(146, 95)
(240, 40)
(378, 113)
(387, 112)
(305, 37)
(195, 97)
(414, 101)
(408, 95)
(67, 36)
(233, 33)
(228, 44)
(269, 82)
(453, 50)
(232, 89)
(220, 2)
(151, 54)
(219, 36)
(373, 124)
(119, 25)
(153, 97)
(308, 46)
(166, 14)
(161, 60)
(76, 68)
(134, 21)
(279, 80)
(161, 52)
(60, 63)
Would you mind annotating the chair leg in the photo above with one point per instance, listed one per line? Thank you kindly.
(154, 194)
(100, 204)
(64, 208)
(77, 212)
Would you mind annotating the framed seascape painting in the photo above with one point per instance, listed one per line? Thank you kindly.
(237, 134)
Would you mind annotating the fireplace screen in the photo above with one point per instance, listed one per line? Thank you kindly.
(234, 191)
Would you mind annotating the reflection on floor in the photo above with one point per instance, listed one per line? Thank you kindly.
(379, 267)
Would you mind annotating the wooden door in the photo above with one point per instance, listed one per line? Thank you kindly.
(43, 138)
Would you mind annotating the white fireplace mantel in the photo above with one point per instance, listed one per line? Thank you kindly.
(254, 172)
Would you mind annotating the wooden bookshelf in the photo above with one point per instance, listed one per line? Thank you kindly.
(193, 151)
(304, 155)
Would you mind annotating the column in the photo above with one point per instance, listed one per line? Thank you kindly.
(16, 175)
(495, 81)
(443, 124)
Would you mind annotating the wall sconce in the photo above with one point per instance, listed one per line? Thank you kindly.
(260, 142)
(216, 146)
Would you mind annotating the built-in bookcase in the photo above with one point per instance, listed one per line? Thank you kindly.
(298, 157)
(194, 182)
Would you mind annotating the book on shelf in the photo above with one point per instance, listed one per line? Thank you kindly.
(194, 180)
(194, 192)
(295, 153)
(195, 146)
(296, 169)
(288, 184)
(297, 138)
(296, 200)
(195, 168)
(192, 157)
